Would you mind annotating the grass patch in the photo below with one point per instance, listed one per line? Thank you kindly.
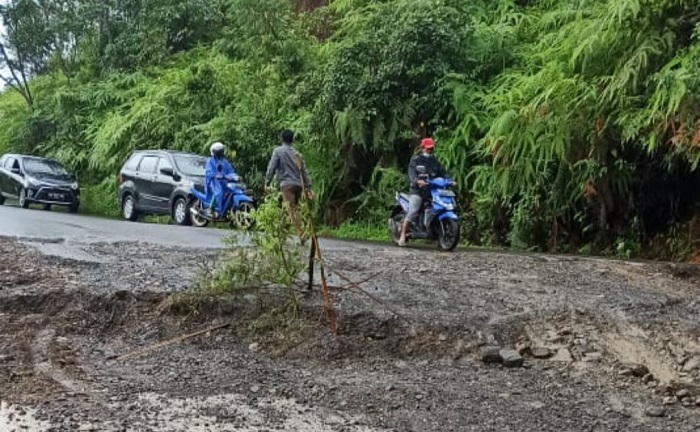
(357, 231)
(100, 199)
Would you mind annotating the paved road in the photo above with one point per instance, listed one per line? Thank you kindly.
(59, 233)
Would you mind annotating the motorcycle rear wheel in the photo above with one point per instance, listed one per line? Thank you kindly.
(395, 223)
(195, 216)
(448, 234)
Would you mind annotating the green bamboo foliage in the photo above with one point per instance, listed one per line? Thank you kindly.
(558, 118)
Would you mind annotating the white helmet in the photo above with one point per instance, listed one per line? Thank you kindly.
(217, 149)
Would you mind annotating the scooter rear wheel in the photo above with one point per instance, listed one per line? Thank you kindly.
(395, 223)
(196, 215)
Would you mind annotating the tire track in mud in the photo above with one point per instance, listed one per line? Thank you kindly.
(43, 364)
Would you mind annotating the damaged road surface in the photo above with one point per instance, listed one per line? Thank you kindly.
(484, 341)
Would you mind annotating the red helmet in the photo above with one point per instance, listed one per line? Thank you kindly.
(427, 143)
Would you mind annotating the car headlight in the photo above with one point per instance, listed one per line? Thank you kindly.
(74, 186)
(31, 181)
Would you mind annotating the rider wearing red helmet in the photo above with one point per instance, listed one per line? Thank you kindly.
(417, 190)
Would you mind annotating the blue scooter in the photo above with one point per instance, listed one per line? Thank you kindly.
(238, 206)
(438, 221)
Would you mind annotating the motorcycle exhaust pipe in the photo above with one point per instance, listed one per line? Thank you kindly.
(194, 212)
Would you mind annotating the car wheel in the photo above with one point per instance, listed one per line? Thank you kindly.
(23, 201)
(74, 208)
(2, 199)
(47, 207)
(129, 208)
(181, 212)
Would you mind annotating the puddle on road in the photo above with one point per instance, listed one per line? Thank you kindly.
(15, 418)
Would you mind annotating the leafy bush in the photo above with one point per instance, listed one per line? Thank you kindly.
(562, 121)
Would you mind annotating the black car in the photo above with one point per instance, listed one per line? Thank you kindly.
(159, 182)
(31, 179)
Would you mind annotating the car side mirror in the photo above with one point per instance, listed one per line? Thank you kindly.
(168, 172)
(16, 171)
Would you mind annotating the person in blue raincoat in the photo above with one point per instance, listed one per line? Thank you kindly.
(218, 172)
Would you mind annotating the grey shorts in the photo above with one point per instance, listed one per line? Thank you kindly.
(415, 203)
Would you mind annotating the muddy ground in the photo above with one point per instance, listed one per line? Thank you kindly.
(607, 345)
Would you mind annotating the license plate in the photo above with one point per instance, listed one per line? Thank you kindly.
(57, 196)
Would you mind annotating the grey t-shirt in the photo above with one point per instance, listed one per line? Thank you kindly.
(283, 164)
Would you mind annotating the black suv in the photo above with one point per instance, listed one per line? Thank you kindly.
(31, 179)
(159, 182)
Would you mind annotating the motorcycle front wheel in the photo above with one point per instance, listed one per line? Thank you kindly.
(448, 235)
(395, 223)
(243, 217)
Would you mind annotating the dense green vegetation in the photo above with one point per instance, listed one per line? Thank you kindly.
(570, 124)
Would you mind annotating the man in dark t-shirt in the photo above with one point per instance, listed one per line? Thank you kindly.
(288, 166)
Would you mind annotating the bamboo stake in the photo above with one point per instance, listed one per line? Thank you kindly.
(315, 256)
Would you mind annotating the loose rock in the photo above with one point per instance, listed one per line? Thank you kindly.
(522, 347)
(692, 364)
(542, 353)
(655, 411)
(593, 356)
(511, 358)
(490, 354)
(637, 370)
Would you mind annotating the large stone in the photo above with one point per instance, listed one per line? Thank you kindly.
(511, 358)
(490, 354)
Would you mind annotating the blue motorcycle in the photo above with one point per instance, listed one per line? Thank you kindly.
(438, 221)
(238, 206)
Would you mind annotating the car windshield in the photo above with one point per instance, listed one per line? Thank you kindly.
(43, 166)
(191, 165)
